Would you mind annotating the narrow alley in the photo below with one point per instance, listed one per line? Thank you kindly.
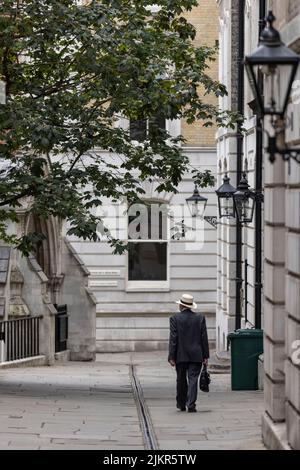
(121, 401)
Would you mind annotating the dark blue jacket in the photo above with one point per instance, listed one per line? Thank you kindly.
(188, 337)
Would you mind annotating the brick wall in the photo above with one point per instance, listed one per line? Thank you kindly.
(205, 19)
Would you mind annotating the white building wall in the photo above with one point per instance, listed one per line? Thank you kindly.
(225, 311)
(226, 146)
(281, 421)
(281, 320)
(138, 319)
(227, 163)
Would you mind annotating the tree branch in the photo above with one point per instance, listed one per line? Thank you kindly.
(24, 193)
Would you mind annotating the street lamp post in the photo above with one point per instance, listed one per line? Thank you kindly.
(271, 70)
(197, 205)
(225, 198)
(237, 202)
(244, 201)
(277, 65)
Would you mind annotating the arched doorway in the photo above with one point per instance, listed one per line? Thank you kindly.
(48, 252)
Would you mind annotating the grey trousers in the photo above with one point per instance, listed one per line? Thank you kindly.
(187, 383)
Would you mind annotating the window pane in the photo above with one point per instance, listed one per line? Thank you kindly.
(138, 130)
(158, 122)
(157, 227)
(147, 222)
(147, 261)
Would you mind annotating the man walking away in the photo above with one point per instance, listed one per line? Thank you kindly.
(188, 349)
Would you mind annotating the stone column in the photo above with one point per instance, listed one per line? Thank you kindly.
(274, 295)
(225, 316)
(292, 304)
(227, 155)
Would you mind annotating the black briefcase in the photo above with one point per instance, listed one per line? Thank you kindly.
(204, 379)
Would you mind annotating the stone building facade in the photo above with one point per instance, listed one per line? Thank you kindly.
(134, 314)
(227, 157)
(108, 311)
(281, 252)
(37, 285)
(281, 423)
(232, 147)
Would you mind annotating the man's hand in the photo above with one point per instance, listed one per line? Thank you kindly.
(172, 362)
(205, 361)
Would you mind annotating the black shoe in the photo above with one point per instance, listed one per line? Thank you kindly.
(192, 410)
(181, 408)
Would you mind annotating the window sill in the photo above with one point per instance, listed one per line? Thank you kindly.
(147, 286)
(147, 289)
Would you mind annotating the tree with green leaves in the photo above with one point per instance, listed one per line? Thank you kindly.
(71, 70)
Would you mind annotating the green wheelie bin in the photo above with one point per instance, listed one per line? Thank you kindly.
(246, 347)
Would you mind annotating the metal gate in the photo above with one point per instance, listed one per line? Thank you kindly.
(19, 338)
(61, 328)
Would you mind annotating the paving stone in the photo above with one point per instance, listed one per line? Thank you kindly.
(74, 405)
(225, 419)
(91, 406)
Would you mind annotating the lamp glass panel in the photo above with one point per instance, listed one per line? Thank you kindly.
(196, 208)
(226, 207)
(245, 208)
(252, 73)
(276, 79)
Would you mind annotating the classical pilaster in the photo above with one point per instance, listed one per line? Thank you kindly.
(292, 305)
(274, 275)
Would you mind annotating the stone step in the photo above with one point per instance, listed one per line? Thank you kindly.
(219, 363)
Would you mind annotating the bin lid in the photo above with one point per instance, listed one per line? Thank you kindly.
(246, 332)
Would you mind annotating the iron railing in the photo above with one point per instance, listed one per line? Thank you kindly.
(19, 338)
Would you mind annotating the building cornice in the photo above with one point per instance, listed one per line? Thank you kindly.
(199, 149)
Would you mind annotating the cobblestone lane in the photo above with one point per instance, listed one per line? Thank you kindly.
(91, 406)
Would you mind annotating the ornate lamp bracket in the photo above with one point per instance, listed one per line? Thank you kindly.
(212, 220)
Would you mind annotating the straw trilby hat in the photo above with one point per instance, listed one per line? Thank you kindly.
(187, 301)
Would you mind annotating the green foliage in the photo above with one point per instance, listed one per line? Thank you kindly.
(71, 71)
(204, 178)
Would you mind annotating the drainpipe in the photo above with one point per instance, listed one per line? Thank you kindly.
(240, 109)
(258, 188)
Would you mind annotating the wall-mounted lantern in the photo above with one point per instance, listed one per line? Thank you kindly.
(277, 65)
(225, 199)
